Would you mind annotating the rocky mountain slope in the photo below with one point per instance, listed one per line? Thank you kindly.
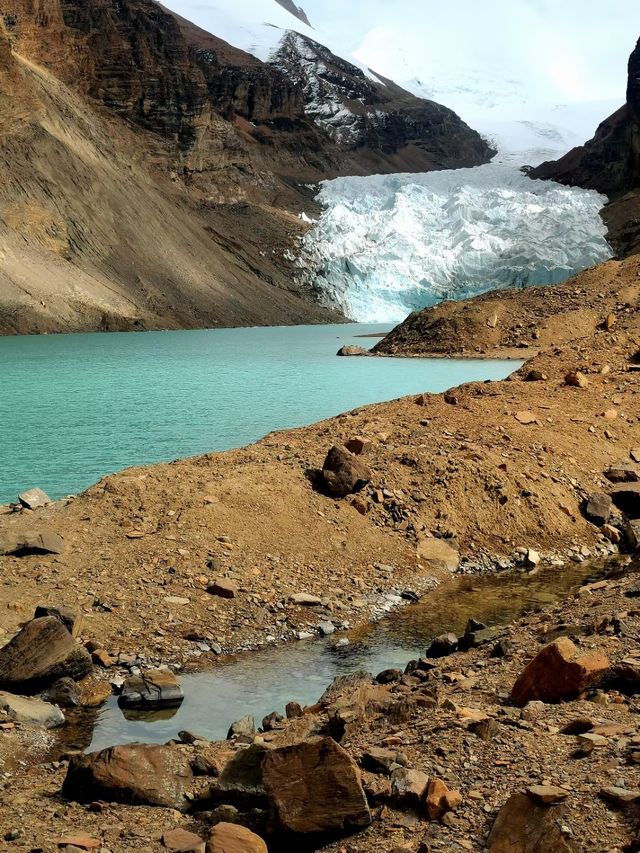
(610, 163)
(511, 738)
(149, 171)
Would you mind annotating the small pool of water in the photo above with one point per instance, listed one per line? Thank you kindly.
(76, 407)
(260, 682)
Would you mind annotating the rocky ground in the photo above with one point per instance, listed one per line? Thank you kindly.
(174, 564)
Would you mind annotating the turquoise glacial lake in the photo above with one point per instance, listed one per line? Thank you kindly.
(76, 407)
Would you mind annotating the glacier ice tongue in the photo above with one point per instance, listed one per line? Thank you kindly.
(388, 244)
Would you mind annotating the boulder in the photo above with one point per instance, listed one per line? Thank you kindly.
(523, 826)
(233, 838)
(138, 774)
(547, 795)
(155, 688)
(314, 787)
(445, 644)
(240, 783)
(182, 841)
(622, 472)
(626, 496)
(69, 617)
(598, 508)
(559, 672)
(380, 760)
(41, 653)
(408, 787)
(34, 498)
(535, 376)
(32, 542)
(357, 445)
(245, 726)
(30, 711)
(438, 553)
(352, 350)
(343, 473)
(223, 588)
(576, 379)
(440, 799)
(473, 639)
(65, 693)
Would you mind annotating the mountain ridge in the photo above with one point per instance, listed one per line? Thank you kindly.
(152, 173)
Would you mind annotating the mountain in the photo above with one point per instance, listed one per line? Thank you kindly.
(151, 172)
(610, 163)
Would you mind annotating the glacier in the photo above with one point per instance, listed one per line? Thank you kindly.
(388, 244)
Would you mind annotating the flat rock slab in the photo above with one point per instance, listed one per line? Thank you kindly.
(523, 826)
(153, 689)
(232, 838)
(438, 553)
(41, 653)
(34, 498)
(31, 711)
(182, 841)
(138, 774)
(32, 542)
(626, 496)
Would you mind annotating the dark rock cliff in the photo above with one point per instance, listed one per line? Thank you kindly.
(610, 163)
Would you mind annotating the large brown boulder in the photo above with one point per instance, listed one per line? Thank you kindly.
(138, 774)
(314, 787)
(523, 826)
(559, 672)
(41, 653)
(232, 838)
(343, 473)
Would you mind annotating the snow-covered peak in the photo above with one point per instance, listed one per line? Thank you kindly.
(255, 26)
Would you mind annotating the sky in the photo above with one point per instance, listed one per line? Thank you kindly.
(572, 50)
(557, 61)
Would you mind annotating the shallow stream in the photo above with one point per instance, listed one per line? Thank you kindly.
(260, 682)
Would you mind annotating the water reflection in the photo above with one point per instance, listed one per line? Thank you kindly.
(260, 682)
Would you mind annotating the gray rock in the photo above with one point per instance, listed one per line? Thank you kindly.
(326, 628)
(151, 689)
(31, 711)
(34, 498)
(245, 726)
(305, 599)
(445, 644)
(64, 693)
(598, 508)
(41, 653)
(32, 542)
(623, 472)
(67, 615)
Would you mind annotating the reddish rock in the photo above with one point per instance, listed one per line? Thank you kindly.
(80, 841)
(314, 787)
(440, 799)
(233, 838)
(182, 841)
(523, 826)
(223, 588)
(575, 379)
(357, 445)
(559, 672)
(137, 774)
